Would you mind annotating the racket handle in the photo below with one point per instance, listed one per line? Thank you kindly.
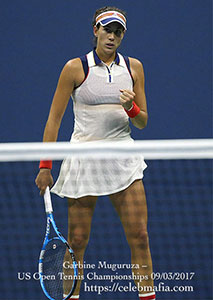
(47, 201)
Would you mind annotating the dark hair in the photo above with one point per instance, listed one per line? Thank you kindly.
(102, 10)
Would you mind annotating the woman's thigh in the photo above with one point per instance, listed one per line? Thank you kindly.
(80, 212)
(131, 207)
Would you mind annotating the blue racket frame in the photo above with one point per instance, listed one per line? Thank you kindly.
(50, 220)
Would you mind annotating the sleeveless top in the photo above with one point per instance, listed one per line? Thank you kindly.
(97, 109)
(100, 116)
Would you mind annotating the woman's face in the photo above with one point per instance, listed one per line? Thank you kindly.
(109, 37)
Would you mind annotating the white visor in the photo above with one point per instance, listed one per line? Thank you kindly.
(111, 16)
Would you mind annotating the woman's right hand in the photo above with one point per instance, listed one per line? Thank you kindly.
(44, 179)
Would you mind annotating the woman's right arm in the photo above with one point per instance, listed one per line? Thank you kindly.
(72, 75)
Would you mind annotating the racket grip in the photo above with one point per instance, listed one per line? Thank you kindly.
(47, 201)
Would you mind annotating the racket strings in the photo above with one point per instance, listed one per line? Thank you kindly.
(53, 272)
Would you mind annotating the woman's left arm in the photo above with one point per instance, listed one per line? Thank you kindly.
(140, 121)
(138, 94)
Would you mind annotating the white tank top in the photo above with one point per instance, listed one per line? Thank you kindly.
(97, 109)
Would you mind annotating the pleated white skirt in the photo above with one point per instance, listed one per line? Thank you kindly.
(80, 177)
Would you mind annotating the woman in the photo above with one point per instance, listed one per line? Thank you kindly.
(107, 90)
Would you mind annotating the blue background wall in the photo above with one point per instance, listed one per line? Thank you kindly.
(173, 40)
(171, 37)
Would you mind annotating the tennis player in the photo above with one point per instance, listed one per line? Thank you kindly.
(107, 91)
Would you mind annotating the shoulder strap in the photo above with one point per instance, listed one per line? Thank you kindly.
(126, 58)
(84, 62)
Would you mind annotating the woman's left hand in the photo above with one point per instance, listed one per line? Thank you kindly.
(126, 98)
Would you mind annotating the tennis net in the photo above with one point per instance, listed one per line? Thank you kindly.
(178, 184)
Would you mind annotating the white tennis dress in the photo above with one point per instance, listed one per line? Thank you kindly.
(99, 116)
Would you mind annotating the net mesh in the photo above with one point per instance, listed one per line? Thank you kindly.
(179, 198)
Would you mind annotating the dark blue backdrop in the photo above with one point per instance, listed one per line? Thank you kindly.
(173, 40)
(171, 37)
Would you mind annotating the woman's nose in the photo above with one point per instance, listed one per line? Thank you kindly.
(111, 36)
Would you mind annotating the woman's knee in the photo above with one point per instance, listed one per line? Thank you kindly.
(79, 240)
(139, 239)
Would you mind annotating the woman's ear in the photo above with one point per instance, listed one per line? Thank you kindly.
(123, 34)
(95, 30)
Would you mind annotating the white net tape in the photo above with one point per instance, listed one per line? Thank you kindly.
(150, 149)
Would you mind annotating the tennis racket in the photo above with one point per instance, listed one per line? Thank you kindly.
(57, 265)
